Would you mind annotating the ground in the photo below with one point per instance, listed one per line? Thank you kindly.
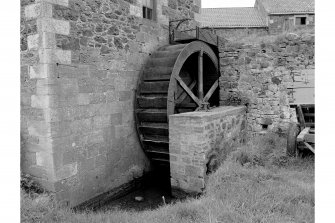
(257, 183)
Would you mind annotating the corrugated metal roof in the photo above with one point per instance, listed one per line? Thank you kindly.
(288, 6)
(231, 17)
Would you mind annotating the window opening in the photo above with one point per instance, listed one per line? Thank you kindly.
(301, 21)
(148, 9)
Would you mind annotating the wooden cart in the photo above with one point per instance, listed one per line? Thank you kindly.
(301, 135)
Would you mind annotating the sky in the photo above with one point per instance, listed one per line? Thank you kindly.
(227, 3)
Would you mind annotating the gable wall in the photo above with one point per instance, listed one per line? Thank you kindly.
(262, 10)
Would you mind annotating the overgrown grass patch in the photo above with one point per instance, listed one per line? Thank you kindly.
(257, 183)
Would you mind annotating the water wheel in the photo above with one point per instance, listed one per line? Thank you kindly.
(176, 79)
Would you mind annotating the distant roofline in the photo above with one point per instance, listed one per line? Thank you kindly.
(228, 8)
(269, 13)
(232, 27)
(290, 13)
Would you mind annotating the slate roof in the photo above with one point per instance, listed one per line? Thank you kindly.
(231, 17)
(288, 6)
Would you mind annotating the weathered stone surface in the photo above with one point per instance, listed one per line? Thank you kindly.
(199, 142)
(67, 43)
(49, 56)
(33, 11)
(53, 26)
(262, 82)
(113, 30)
(65, 13)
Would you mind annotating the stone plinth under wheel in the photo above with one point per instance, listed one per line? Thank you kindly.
(176, 78)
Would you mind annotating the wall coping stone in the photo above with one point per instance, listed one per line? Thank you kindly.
(213, 113)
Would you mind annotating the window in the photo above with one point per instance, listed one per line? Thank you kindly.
(301, 20)
(148, 9)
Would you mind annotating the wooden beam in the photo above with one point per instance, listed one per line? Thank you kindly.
(302, 134)
(181, 97)
(208, 37)
(211, 91)
(301, 116)
(310, 124)
(189, 92)
(310, 138)
(309, 114)
(309, 147)
(179, 36)
(186, 105)
(201, 75)
(303, 105)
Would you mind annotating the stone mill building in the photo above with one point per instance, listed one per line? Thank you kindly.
(103, 83)
(80, 65)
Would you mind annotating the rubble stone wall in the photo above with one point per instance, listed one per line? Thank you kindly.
(199, 142)
(258, 75)
(229, 33)
(81, 60)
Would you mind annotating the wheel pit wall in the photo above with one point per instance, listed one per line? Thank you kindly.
(199, 142)
(80, 62)
(259, 75)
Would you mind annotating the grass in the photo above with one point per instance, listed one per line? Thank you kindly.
(257, 183)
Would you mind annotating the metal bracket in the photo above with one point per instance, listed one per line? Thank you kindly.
(204, 106)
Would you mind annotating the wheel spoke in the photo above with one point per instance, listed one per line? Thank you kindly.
(181, 97)
(201, 75)
(188, 91)
(211, 91)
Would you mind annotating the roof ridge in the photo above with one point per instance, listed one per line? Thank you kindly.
(228, 7)
(288, 6)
